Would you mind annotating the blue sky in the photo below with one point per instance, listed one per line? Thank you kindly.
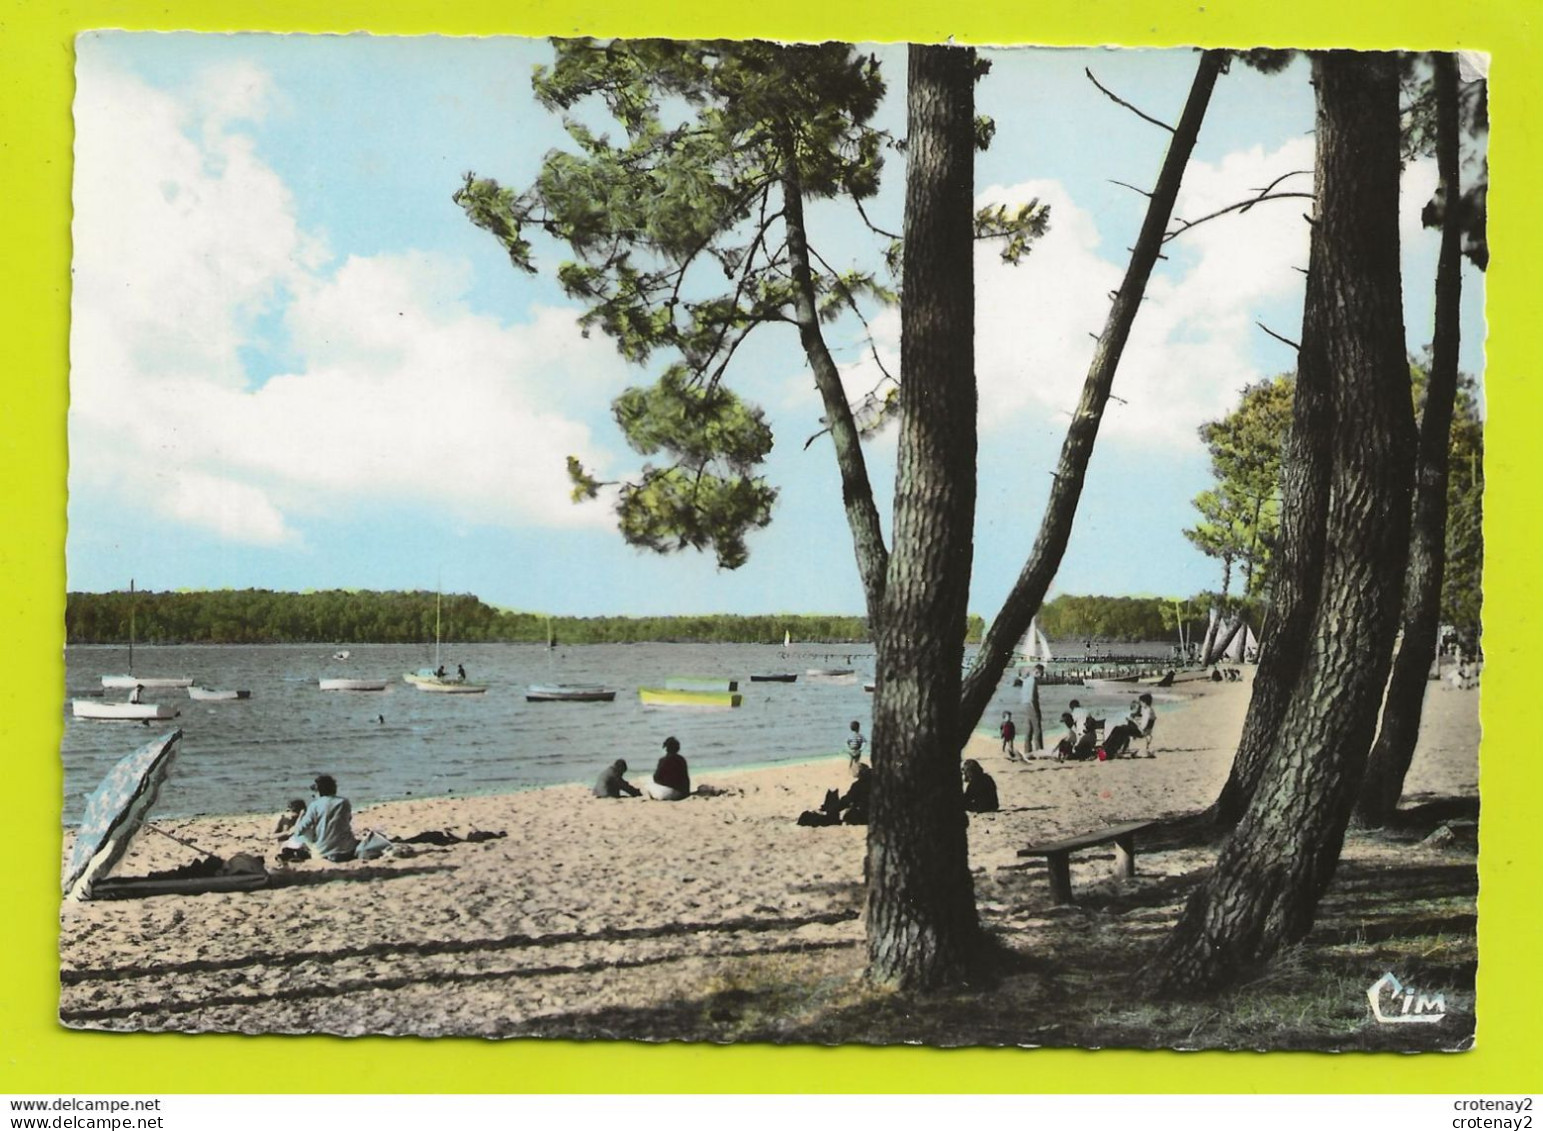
(295, 365)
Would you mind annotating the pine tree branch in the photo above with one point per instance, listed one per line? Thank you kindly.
(1028, 590)
(1240, 206)
(1117, 99)
(1278, 337)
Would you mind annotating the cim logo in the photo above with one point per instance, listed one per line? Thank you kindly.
(1394, 1003)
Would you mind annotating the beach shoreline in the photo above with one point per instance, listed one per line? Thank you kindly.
(587, 906)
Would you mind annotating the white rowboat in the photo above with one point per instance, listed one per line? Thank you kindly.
(212, 695)
(568, 693)
(432, 682)
(121, 712)
(351, 684)
(129, 682)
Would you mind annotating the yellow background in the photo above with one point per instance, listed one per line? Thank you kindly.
(37, 1055)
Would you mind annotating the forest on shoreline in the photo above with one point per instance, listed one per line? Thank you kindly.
(339, 616)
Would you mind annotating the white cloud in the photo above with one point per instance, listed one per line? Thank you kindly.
(1193, 342)
(1194, 339)
(187, 245)
(232, 509)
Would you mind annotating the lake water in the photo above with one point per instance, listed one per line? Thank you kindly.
(252, 755)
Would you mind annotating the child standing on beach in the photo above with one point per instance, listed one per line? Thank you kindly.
(1009, 734)
(855, 744)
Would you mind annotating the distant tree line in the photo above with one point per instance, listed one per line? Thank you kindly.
(356, 616)
(341, 616)
(1130, 619)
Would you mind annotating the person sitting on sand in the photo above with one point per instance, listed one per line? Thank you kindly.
(1085, 720)
(980, 792)
(1080, 742)
(326, 826)
(613, 783)
(287, 819)
(1146, 720)
(1137, 723)
(672, 781)
(850, 808)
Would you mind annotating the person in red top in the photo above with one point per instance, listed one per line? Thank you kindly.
(672, 781)
(1009, 734)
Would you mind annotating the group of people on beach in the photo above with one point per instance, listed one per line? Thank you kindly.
(1082, 739)
(671, 780)
(851, 807)
(324, 826)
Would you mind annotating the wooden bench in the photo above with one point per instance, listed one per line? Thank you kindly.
(1058, 855)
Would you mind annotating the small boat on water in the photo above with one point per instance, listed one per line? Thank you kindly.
(832, 674)
(119, 711)
(214, 695)
(435, 678)
(568, 693)
(775, 677)
(129, 682)
(351, 684)
(1110, 682)
(427, 680)
(670, 697)
(700, 683)
(342, 655)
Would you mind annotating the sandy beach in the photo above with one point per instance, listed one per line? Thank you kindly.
(588, 907)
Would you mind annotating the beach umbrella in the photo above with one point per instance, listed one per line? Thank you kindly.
(115, 811)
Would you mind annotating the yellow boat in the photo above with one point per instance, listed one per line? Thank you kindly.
(669, 697)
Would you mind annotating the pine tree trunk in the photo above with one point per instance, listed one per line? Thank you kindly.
(1394, 749)
(1028, 591)
(1305, 464)
(1264, 890)
(856, 490)
(1213, 622)
(922, 926)
(1226, 632)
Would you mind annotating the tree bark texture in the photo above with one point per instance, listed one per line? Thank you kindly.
(1394, 749)
(856, 489)
(922, 928)
(1028, 591)
(1305, 468)
(1264, 890)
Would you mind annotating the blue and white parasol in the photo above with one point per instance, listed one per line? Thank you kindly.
(115, 811)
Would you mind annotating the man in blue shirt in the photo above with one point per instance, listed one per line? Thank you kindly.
(326, 826)
(1034, 740)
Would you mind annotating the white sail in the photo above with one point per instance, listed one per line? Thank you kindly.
(1235, 646)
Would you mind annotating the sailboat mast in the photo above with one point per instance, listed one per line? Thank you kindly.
(436, 630)
(131, 626)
